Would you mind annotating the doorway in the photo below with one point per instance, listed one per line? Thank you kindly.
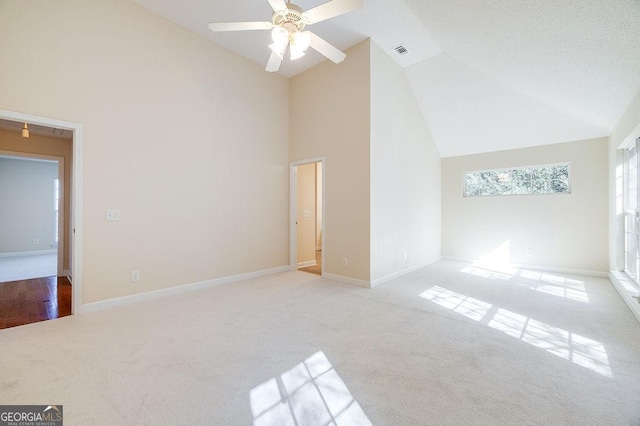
(307, 216)
(33, 222)
(72, 231)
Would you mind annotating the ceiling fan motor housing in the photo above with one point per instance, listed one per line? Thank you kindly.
(292, 16)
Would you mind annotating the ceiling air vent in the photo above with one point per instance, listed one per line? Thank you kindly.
(401, 50)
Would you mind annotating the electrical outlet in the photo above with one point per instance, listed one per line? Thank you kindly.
(344, 261)
(112, 216)
(36, 242)
(135, 276)
(529, 252)
(404, 256)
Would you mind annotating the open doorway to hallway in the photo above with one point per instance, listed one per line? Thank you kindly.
(307, 215)
(35, 255)
(30, 217)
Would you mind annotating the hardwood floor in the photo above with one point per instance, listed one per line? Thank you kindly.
(39, 299)
(317, 269)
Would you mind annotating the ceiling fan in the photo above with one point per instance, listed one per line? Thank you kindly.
(287, 25)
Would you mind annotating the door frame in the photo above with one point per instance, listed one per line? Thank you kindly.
(293, 205)
(75, 228)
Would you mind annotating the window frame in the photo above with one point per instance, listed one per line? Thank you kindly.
(630, 216)
(508, 169)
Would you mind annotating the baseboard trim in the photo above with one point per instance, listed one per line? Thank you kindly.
(67, 273)
(398, 274)
(627, 290)
(28, 253)
(307, 264)
(150, 295)
(570, 271)
(347, 280)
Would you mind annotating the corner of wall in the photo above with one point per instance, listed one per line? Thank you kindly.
(330, 117)
(405, 175)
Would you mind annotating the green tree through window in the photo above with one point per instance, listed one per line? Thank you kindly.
(547, 179)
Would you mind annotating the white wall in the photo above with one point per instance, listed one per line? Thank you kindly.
(27, 212)
(187, 139)
(405, 174)
(566, 231)
(329, 116)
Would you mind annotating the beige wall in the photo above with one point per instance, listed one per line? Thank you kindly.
(183, 136)
(306, 213)
(405, 174)
(12, 141)
(329, 116)
(564, 231)
(629, 122)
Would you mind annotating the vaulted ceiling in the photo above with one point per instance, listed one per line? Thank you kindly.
(487, 74)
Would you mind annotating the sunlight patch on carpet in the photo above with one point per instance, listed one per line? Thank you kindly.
(312, 392)
(573, 347)
(496, 265)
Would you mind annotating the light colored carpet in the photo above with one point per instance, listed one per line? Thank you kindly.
(448, 344)
(26, 267)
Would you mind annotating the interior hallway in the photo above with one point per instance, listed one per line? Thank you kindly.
(448, 344)
(317, 268)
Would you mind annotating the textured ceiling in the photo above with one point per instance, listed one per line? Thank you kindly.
(579, 58)
(488, 75)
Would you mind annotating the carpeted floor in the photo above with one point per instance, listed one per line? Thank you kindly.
(448, 344)
(27, 267)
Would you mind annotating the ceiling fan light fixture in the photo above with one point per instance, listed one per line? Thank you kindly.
(279, 48)
(302, 40)
(279, 35)
(296, 52)
(25, 131)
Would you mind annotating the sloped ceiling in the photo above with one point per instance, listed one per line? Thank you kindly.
(488, 75)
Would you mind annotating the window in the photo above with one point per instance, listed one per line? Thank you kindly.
(546, 179)
(631, 211)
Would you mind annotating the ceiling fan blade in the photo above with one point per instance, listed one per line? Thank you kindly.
(278, 5)
(240, 26)
(330, 9)
(325, 48)
(274, 62)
